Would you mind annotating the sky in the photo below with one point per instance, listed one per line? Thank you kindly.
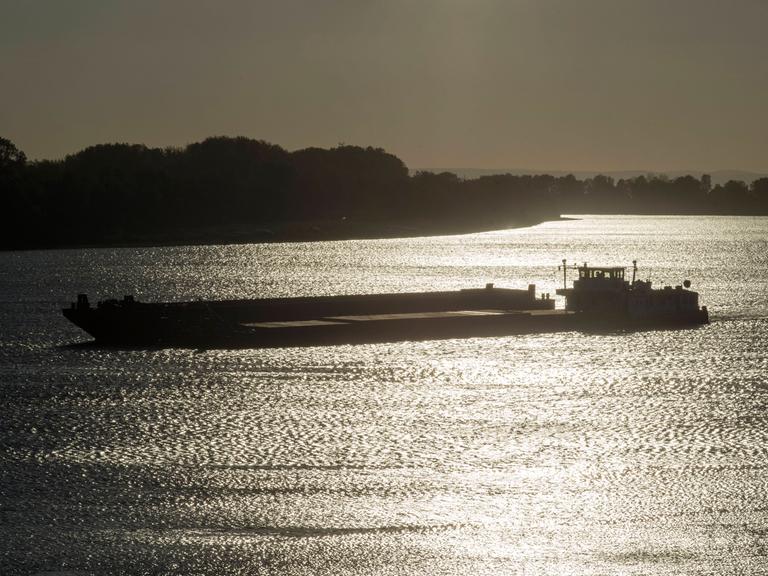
(540, 84)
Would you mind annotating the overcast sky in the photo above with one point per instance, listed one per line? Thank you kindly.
(538, 84)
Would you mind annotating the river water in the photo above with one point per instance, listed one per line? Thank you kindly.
(642, 453)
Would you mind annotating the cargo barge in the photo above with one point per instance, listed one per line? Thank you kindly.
(599, 299)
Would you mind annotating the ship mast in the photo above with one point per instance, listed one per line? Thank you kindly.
(565, 274)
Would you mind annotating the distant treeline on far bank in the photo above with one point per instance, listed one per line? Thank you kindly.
(238, 189)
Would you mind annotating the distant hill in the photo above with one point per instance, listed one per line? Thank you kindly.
(718, 176)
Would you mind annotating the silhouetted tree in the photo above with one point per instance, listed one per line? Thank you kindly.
(10, 156)
(14, 202)
(685, 194)
(250, 179)
(227, 188)
(731, 198)
(347, 181)
(600, 194)
(760, 195)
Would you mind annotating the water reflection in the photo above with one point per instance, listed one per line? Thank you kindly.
(556, 454)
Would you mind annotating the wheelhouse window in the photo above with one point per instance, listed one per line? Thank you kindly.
(611, 273)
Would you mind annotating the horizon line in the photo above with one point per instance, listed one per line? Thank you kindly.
(537, 171)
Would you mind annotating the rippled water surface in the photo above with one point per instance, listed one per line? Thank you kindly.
(641, 453)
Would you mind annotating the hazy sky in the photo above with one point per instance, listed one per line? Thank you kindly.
(559, 85)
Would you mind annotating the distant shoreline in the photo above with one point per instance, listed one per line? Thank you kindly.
(300, 232)
(235, 190)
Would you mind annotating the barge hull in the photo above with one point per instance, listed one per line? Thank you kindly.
(601, 301)
(213, 333)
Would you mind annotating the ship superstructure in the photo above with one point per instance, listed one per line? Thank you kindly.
(601, 291)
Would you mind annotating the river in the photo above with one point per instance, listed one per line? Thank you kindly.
(640, 453)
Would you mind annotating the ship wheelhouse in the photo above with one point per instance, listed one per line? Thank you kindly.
(597, 289)
(605, 291)
(599, 278)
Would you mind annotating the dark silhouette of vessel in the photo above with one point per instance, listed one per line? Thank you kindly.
(602, 295)
(600, 299)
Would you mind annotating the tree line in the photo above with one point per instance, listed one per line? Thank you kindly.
(224, 189)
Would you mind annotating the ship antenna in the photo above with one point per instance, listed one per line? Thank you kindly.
(634, 270)
(565, 275)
